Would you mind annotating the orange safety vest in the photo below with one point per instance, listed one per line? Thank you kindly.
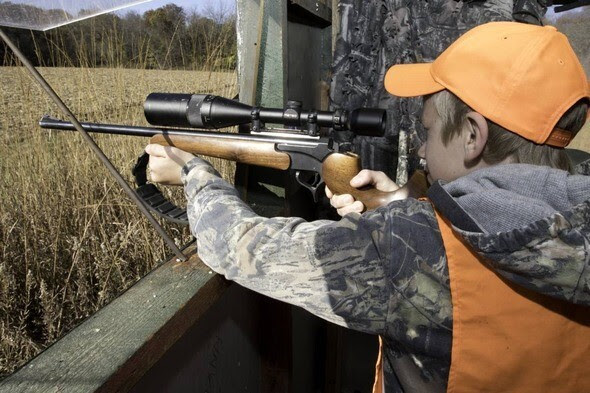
(507, 338)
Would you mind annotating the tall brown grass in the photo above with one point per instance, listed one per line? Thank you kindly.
(70, 239)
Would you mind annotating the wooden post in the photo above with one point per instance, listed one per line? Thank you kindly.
(284, 53)
(262, 51)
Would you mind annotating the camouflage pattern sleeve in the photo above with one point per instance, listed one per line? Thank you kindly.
(337, 270)
(286, 258)
(383, 272)
(417, 346)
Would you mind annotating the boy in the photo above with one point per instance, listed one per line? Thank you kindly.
(482, 287)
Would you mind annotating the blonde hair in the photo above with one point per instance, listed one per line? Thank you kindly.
(503, 143)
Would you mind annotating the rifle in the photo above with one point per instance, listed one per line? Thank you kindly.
(300, 145)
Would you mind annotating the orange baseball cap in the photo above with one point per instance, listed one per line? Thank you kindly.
(522, 77)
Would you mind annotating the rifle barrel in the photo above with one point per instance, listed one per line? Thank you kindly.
(118, 129)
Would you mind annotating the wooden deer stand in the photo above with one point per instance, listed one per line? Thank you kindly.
(183, 328)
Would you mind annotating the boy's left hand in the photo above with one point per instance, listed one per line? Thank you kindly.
(166, 163)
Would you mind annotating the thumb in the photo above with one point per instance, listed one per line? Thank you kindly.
(363, 178)
(377, 179)
(156, 150)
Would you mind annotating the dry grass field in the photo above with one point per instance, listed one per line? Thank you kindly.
(582, 140)
(70, 239)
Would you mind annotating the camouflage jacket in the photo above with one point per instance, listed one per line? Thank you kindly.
(385, 272)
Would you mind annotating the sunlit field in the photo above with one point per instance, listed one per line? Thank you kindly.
(582, 140)
(70, 238)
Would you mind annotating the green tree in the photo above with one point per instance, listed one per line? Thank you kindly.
(166, 26)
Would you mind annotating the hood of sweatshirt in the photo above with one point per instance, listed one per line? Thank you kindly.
(531, 223)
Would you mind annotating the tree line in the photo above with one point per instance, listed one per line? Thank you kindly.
(164, 38)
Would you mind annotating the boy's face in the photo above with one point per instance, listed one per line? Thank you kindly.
(443, 162)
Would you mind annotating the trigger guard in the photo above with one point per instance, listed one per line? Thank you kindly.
(312, 187)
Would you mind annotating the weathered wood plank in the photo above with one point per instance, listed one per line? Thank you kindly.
(220, 353)
(335, 23)
(261, 26)
(309, 65)
(111, 350)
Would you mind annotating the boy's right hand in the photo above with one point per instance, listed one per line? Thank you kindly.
(345, 203)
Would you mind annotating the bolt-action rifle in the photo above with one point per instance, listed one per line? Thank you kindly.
(299, 145)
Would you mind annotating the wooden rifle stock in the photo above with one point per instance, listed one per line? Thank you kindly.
(337, 169)
(242, 151)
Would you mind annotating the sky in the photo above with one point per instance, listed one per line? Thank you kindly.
(72, 10)
(188, 5)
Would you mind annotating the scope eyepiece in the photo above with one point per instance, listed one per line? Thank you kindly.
(367, 121)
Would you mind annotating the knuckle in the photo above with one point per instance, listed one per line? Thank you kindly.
(334, 202)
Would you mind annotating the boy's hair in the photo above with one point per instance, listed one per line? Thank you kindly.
(503, 143)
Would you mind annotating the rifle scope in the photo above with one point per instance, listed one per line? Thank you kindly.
(209, 111)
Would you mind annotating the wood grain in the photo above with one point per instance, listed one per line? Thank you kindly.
(338, 169)
(241, 151)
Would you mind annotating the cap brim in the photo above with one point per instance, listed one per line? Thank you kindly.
(411, 80)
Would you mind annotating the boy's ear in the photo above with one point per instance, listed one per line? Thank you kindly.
(476, 137)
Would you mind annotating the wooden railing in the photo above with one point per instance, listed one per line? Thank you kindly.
(113, 349)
